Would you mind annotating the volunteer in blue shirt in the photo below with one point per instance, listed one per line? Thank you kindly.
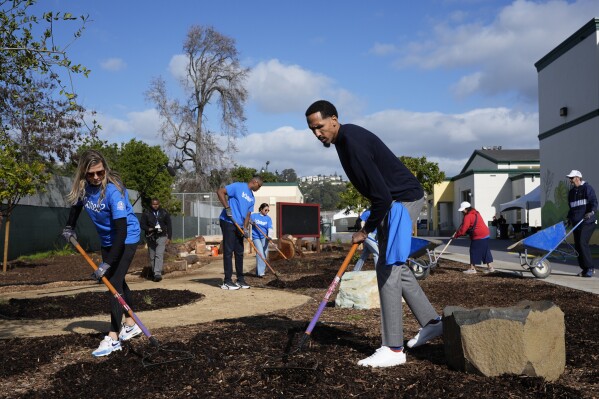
(238, 201)
(397, 198)
(583, 205)
(101, 192)
(262, 224)
(371, 245)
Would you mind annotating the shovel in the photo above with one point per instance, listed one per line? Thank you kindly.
(172, 355)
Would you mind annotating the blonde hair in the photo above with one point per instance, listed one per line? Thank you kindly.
(88, 159)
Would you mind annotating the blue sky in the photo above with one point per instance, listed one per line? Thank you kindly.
(434, 78)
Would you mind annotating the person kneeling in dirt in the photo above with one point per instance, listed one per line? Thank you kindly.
(156, 222)
(397, 198)
(101, 191)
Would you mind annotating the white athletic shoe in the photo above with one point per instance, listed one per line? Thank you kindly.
(384, 357)
(426, 333)
(128, 332)
(107, 346)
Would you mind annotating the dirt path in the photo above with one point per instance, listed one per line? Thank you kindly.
(217, 304)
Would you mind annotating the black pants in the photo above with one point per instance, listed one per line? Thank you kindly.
(233, 243)
(582, 236)
(116, 276)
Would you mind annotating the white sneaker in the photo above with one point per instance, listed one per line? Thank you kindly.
(107, 346)
(469, 271)
(384, 357)
(128, 332)
(426, 333)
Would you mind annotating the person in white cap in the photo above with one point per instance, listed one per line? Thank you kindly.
(474, 226)
(583, 205)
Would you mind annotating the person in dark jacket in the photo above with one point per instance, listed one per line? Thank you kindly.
(583, 205)
(474, 226)
(397, 198)
(156, 222)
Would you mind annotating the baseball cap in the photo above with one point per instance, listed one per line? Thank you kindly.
(464, 205)
(574, 173)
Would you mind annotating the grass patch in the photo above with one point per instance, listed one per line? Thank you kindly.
(66, 250)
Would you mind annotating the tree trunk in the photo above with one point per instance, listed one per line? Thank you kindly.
(4, 264)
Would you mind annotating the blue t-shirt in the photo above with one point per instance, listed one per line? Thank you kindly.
(364, 217)
(264, 222)
(113, 206)
(241, 201)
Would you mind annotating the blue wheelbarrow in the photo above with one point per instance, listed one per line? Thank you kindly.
(423, 257)
(543, 244)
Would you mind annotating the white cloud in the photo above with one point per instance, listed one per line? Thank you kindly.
(277, 88)
(503, 52)
(382, 49)
(140, 125)
(448, 139)
(451, 138)
(113, 64)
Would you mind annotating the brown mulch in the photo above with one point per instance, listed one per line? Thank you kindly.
(240, 357)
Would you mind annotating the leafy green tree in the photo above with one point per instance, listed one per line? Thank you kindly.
(288, 176)
(242, 173)
(38, 110)
(427, 173)
(18, 178)
(351, 199)
(324, 193)
(143, 168)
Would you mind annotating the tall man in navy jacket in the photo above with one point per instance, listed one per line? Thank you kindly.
(397, 198)
(583, 205)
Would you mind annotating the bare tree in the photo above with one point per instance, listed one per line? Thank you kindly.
(213, 81)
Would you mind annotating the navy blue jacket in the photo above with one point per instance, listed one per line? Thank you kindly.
(582, 199)
(375, 171)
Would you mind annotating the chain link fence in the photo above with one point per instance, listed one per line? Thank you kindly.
(199, 215)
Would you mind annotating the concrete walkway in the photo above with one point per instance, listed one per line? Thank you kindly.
(217, 304)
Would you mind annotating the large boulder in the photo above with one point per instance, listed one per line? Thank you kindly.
(358, 290)
(528, 338)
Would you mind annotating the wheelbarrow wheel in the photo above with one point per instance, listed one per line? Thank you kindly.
(540, 269)
(420, 268)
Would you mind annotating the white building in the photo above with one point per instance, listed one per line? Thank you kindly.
(568, 78)
(490, 177)
(271, 193)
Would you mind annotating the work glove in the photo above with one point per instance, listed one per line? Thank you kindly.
(588, 215)
(100, 271)
(69, 232)
(246, 232)
(229, 212)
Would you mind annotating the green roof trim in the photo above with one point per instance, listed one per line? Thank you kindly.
(588, 29)
(568, 125)
(281, 184)
(532, 172)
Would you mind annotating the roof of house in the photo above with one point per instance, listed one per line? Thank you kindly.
(499, 156)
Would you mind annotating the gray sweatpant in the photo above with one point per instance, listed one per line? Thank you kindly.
(156, 252)
(395, 282)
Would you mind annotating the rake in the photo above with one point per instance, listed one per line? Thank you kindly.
(172, 355)
(270, 239)
(255, 249)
